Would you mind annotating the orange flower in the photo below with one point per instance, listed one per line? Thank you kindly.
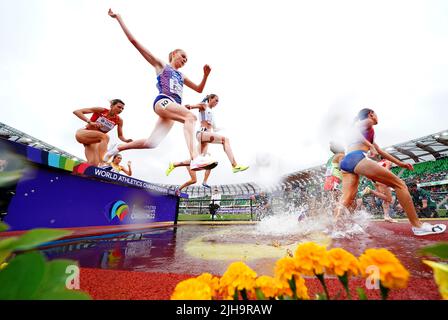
(301, 289)
(393, 275)
(311, 258)
(211, 281)
(341, 261)
(192, 289)
(268, 285)
(285, 269)
(237, 277)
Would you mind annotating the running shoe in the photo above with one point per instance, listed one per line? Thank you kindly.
(171, 167)
(113, 150)
(202, 163)
(206, 186)
(365, 191)
(239, 168)
(427, 228)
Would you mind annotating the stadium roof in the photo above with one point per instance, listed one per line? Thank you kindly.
(427, 148)
(9, 133)
(240, 189)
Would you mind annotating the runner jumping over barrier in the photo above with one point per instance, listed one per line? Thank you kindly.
(94, 136)
(168, 104)
(356, 163)
(207, 135)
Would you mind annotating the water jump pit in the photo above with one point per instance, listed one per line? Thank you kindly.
(149, 264)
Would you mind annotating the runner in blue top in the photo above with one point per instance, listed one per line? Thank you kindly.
(167, 104)
(355, 164)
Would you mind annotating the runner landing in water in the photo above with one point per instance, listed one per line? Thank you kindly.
(355, 163)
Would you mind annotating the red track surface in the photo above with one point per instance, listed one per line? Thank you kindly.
(128, 285)
(112, 284)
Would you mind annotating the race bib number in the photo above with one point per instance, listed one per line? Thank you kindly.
(164, 103)
(106, 124)
(175, 87)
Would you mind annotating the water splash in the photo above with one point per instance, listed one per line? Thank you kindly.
(308, 217)
(350, 225)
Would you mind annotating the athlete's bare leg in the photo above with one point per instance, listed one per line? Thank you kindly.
(91, 139)
(210, 137)
(373, 171)
(167, 115)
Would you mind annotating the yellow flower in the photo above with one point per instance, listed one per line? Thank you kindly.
(192, 289)
(311, 258)
(237, 276)
(268, 285)
(440, 276)
(211, 281)
(392, 273)
(301, 289)
(3, 265)
(341, 261)
(285, 269)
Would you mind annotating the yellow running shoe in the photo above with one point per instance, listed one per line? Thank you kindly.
(171, 167)
(239, 168)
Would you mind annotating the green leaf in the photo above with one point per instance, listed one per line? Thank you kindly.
(344, 281)
(36, 237)
(439, 250)
(22, 276)
(361, 294)
(259, 294)
(7, 243)
(4, 254)
(64, 295)
(55, 275)
(244, 294)
(235, 295)
(3, 226)
(292, 285)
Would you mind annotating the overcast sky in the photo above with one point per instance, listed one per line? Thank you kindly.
(289, 74)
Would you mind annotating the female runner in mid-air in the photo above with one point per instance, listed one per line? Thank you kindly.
(168, 104)
(207, 134)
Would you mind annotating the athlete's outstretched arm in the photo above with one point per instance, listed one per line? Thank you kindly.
(199, 87)
(387, 156)
(200, 106)
(120, 132)
(155, 62)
